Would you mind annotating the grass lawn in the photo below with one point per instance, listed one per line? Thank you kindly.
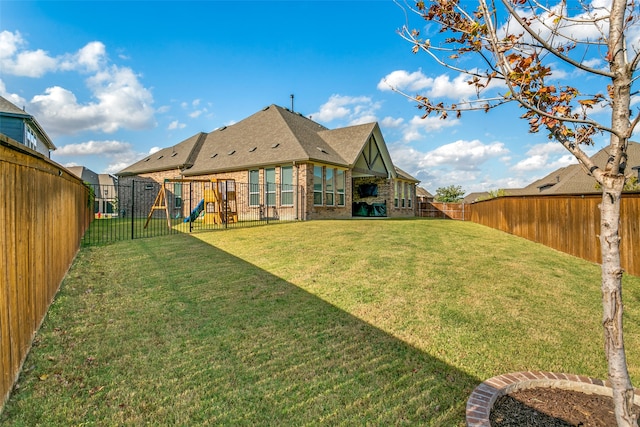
(363, 322)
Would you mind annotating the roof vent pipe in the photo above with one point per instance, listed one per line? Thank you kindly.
(292, 110)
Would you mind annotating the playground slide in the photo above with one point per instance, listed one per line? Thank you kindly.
(196, 212)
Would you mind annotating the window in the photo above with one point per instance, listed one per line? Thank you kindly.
(286, 186)
(270, 186)
(317, 185)
(395, 194)
(329, 187)
(254, 188)
(340, 187)
(177, 193)
(402, 184)
(409, 195)
(31, 140)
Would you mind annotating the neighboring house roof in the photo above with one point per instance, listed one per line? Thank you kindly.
(271, 136)
(421, 192)
(474, 197)
(85, 174)
(573, 179)
(8, 109)
(106, 179)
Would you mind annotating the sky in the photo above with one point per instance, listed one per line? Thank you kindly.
(111, 82)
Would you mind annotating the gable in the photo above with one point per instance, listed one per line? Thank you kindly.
(371, 161)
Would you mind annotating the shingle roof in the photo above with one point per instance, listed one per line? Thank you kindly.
(179, 156)
(422, 192)
(573, 179)
(342, 140)
(271, 136)
(404, 175)
(10, 109)
(7, 106)
(475, 197)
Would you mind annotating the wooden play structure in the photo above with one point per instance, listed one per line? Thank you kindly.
(218, 205)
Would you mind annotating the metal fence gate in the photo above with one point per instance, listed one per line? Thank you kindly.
(147, 208)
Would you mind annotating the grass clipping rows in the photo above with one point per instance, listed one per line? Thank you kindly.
(324, 322)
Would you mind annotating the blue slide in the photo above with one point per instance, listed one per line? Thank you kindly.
(196, 212)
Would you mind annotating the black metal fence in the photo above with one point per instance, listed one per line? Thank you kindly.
(147, 208)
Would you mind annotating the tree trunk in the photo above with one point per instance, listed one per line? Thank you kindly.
(612, 302)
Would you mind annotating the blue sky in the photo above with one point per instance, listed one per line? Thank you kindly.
(111, 82)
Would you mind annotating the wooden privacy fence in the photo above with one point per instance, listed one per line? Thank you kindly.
(44, 211)
(570, 224)
(441, 210)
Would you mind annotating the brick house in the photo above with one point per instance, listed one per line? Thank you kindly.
(291, 164)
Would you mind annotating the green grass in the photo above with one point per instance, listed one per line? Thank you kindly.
(368, 322)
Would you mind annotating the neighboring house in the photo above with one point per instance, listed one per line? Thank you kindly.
(22, 127)
(573, 179)
(476, 197)
(423, 196)
(336, 173)
(104, 187)
(570, 180)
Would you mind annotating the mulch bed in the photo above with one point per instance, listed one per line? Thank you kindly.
(550, 407)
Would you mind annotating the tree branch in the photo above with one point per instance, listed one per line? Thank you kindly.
(550, 48)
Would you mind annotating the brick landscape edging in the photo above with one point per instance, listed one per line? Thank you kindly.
(483, 397)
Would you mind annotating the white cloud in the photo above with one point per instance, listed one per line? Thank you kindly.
(585, 26)
(122, 102)
(390, 122)
(89, 148)
(28, 63)
(9, 43)
(118, 99)
(403, 80)
(464, 155)
(118, 154)
(458, 88)
(176, 125)
(544, 157)
(14, 98)
(90, 58)
(418, 128)
(35, 63)
(463, 163)
(441, 86)
(351, 110)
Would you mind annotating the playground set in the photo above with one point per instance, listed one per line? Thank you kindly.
(218, 205)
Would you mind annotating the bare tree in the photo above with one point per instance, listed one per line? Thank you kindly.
(522, 45)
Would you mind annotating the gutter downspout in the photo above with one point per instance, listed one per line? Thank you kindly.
(295, 201)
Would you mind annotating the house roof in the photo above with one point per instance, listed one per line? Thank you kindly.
(404, 175)
(272, 136)
(422, 192)
(475, 197)
(179, 156)
(7, 108)
(84, 173)
(106, 179)
(573, 179)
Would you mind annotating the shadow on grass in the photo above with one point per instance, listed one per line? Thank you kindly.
(174, 331)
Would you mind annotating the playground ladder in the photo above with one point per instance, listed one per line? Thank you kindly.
(159, 204)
